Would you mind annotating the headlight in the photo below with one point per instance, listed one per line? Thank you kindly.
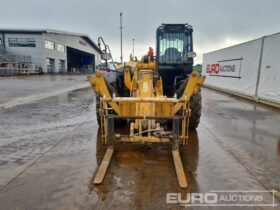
(191, 54)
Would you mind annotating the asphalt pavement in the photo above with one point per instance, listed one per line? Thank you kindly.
(50, 149)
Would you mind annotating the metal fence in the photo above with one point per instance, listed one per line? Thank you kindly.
(81, 71)
(7, 72)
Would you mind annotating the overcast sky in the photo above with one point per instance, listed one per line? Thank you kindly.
(216, 23)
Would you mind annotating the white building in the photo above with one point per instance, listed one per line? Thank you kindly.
(51, 50)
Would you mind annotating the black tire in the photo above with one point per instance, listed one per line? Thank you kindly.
(112, 90)
(97, 107)
(195, 105)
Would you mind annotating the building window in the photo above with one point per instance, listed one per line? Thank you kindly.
(50, 65)
(60, 47)
(49, 45)
(22, 42)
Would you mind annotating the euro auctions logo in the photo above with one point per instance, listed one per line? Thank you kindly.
(217, 68)
(213, 68)
(225, 68)
(249, 198)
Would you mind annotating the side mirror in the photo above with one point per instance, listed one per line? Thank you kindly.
(191, 54)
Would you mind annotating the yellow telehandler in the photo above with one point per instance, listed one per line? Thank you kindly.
(142, 100)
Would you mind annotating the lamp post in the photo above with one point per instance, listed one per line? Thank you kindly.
(121, 28)
(133, 48)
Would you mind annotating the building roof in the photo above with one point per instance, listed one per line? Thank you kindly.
(50, 31)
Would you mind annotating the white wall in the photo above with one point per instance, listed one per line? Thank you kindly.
(34, 52)
(254, 69)
(53, 54)
(66, 40)
(269, 85)
(71, 41)
(240, 65)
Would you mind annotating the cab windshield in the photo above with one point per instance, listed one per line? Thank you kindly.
(174, 47)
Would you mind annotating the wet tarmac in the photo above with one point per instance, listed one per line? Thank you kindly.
(50, 150)
(22, 89)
